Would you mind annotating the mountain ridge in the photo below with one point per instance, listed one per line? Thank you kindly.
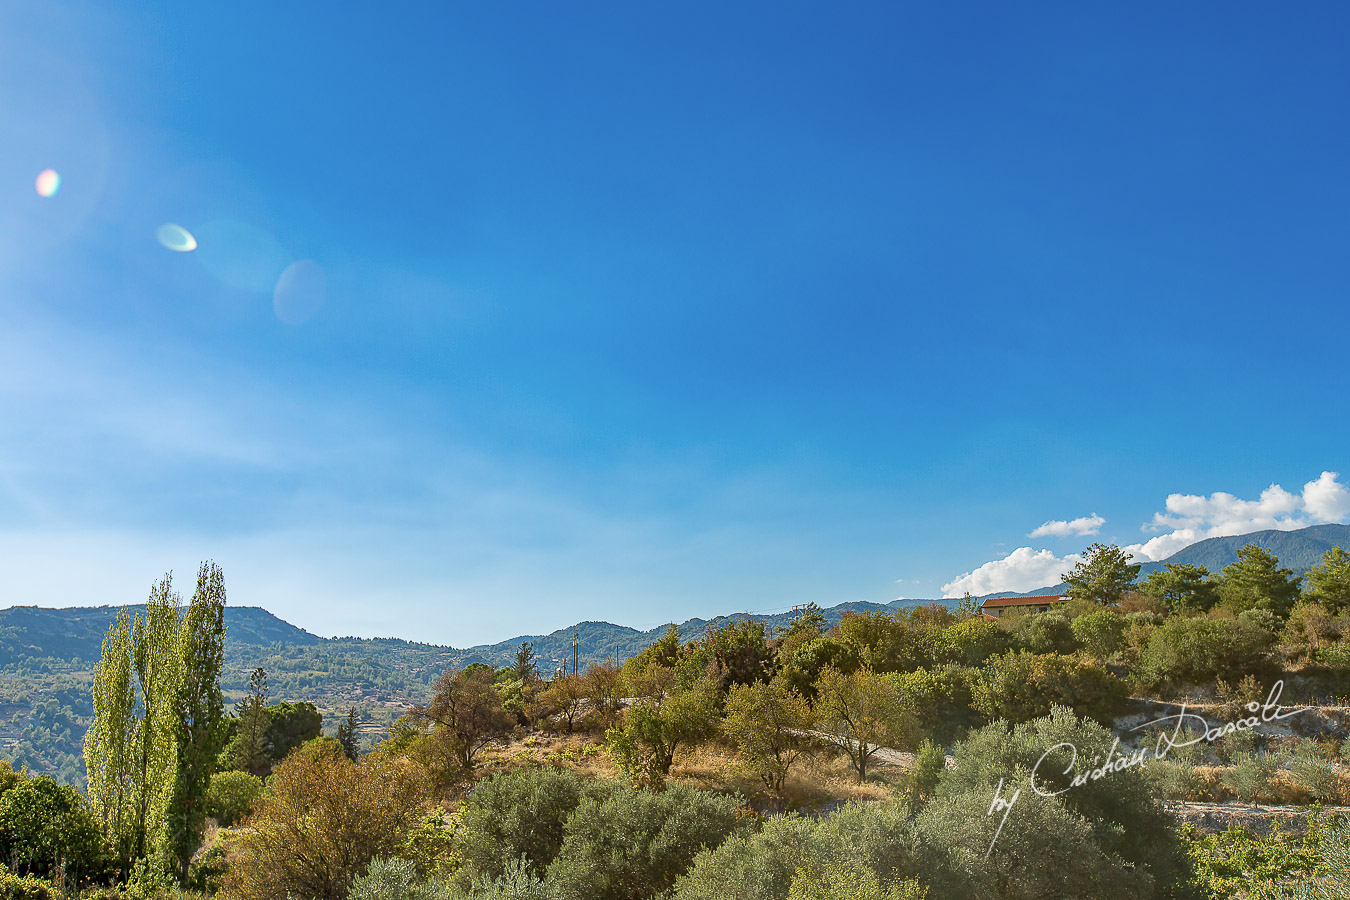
(1298, 549)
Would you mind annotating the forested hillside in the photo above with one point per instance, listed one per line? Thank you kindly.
(46, 659)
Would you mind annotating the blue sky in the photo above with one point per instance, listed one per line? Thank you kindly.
(627, 312)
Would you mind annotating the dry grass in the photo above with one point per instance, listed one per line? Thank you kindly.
(819, 781)
(816, 782)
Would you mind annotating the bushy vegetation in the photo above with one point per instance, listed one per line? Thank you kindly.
(656, 772)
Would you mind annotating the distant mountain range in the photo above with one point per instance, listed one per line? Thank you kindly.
(47, 656)
(1299, 550)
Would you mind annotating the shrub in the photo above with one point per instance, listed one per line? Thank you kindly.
(515, 816)
(1046, 632)
(322, 821)
(395, 879)
(629, 844)
(1044, 849)
(803, 666)
(1023, 686)
(1101, 633)
(230, 795)
(1196, 650)
(12, 887)
(850, 881)
(644, 747)
(971, 642)
(1250, 777)
(929, 765)
(43, 822)
(1316, 776)
(1125, 815)
(872, 838)
(1175, 779)
(940, 699)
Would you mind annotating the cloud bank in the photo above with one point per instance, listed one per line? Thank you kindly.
(1187, 518)
(1060, 528)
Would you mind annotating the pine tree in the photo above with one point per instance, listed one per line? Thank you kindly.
(346, 735)
(199, 708)
(1103, 575)
(250, 746)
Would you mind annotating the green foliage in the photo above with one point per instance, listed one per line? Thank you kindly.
(230, 795)
(863, 711)
(1237, 864)
(432, 845)
(1183, 587)
(644, 747)
(929, 765)
(872, 838)
(940, 699)
(810, 623)
(248, 751)
(1127, 824)
(1196, 650)
(850, 881)
(14, 887)
(1101, 633)
(1102, 576)
(1046, 632)
(197, 710)
(467, 713)
(737, 653)
(883, 641)
(1023, 686)
(129, 748)
(1316, 775)
(1251, 776)
(971, 642)
(1328, 582)
(803, 666)
(627, 844)
(321, 821)
(395, 879)
(43, 822)
(517, 815)
(1256, 581)
(1328, 878)
(346, 734)
(288, 726)
(765, 722)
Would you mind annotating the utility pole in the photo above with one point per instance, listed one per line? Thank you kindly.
(576, 649)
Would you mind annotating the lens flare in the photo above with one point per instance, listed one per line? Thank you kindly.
(48, 183)
(300, 291)
(176, 238)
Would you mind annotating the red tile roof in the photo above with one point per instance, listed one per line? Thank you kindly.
(1042, 600)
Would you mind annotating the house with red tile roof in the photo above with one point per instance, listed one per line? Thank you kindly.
(996, 607)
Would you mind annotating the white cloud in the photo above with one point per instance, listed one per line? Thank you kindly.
(1187, 518)
(1326, 499)
(1021, 570)
(1193, 517)
(1061, 528)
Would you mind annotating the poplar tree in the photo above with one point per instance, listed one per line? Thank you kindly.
(156, 667)
(109, 745)
(129, 747)
(199, 707)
